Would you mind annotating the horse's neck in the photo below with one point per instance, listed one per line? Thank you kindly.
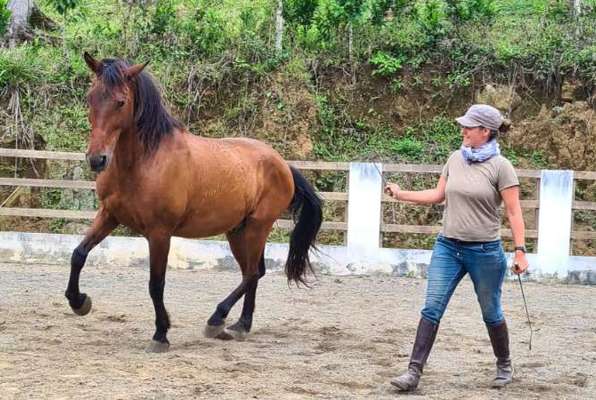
(129, 151)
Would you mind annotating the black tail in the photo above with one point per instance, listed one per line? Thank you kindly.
(306, 208)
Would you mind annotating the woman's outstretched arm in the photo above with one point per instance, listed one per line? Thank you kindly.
(429, 196)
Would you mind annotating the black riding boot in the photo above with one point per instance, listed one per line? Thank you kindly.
(425, 337)
(499, 338)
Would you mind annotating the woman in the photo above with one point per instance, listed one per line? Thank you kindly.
(473, 183)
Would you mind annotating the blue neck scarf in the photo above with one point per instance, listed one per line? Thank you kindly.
(482, 153)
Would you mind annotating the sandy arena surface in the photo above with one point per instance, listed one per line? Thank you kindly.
(343, 339)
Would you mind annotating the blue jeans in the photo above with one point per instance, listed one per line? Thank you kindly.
(450, 261)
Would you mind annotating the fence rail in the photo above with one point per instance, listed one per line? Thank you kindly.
(284, 224)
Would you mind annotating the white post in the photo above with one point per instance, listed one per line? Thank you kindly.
(279, 27)
(365, 188)
(554, 222)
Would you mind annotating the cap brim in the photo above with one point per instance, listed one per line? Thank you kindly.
(468, 122)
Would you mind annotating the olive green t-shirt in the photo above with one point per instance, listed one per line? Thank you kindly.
(472, 197)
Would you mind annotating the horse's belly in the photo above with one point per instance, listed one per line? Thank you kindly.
(199, 226)
(129, 218)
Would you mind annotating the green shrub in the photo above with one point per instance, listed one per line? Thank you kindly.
(64, 6)
(408, 147)
(20, 66)
(466, 10)
(163, 18)
(386, 64)
(433, 16)
(4, 17)
(299, 12)
(440, 137)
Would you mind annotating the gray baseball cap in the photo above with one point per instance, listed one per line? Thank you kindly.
(481, 115)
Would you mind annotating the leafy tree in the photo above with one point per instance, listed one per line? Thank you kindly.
(466, 10)
(64, 6)
(433, 15)
(352, 10)
(378, 9)
(299, 12)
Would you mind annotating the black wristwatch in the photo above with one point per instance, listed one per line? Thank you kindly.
(520, 248)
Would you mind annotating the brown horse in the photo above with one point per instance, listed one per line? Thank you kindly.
(161, 181)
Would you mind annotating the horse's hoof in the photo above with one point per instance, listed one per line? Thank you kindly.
(85, 308)
(239, 335)
(213, 331)
(224, 335)
(157, 347)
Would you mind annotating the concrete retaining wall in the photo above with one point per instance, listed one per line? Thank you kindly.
(32, 248)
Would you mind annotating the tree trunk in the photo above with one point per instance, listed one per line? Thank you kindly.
(577, 12)
(24, 15)
(18, 27)
(279, 27)
(577, 8)
(350, 42)
(351, 52)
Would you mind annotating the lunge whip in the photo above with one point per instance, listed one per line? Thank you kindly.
(526, 307)
(380, 174)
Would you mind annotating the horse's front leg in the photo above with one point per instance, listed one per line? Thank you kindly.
(159, 247)
(102, 226)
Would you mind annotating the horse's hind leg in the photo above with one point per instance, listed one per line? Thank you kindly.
(241, 328)
(216, 323)
(102, 226)
(247, 245)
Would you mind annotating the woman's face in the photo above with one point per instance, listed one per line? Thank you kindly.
(475, 137)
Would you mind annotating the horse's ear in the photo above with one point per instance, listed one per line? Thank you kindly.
(136, 69)
(93, 64)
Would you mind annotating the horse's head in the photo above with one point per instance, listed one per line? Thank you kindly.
(111, 107)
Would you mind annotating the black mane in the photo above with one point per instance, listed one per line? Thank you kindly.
(152, 119)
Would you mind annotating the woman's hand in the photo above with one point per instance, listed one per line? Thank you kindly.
(520, 263)
(510, 197)
(392, 189)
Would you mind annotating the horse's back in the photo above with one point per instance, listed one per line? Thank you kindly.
(254, 150)
(252, 158)
(232, 179)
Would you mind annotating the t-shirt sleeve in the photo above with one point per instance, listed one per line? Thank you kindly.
(507, 176)
(445, 171)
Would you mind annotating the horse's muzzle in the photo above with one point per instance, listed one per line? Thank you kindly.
(98, 163)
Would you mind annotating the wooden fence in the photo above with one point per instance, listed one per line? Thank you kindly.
(532, 204)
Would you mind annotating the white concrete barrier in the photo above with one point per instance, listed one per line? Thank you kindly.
(32, 248)
(41, 248)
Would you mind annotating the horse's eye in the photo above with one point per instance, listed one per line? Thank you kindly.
(119, 103)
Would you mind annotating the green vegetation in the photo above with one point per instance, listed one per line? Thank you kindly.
(341, 139)
(4, 16)
(360, 79)
(225, 47)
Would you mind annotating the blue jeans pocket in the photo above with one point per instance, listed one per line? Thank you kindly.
(491, 247)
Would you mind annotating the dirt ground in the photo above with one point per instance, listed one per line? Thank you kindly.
(343, 339)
